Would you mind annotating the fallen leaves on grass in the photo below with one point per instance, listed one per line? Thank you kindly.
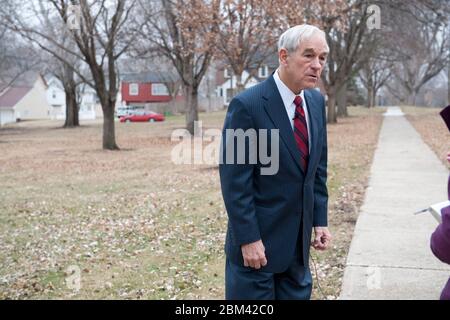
(136, 225)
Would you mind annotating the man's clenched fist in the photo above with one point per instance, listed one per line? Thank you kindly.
(254, 254)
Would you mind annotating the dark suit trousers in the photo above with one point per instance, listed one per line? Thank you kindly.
(245, 283)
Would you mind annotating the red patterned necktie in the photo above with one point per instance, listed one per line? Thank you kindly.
(301, 132)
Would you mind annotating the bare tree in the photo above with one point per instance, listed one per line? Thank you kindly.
(420, 44)
(247, 35)
(101, 37)
(16, 56)
(448, 81)
(374, 75)
(349, 50)
(423, 55)
(184, 32)
(52, 65)
(169, 76)
(64, 71)
(65, 74)
(353, 46)
(345, 28)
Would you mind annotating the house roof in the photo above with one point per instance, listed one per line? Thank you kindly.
(258, 60)
(11, 96)
(150, 77)
(24, 79)
(271, 60)
(19, 87)
(52, 80)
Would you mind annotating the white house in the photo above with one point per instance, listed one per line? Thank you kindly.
(226, 80)
(89, 103)
(6, 116)
(25, 99)
(56, 98)
(226, 88)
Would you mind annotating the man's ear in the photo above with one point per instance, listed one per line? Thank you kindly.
(282, 56)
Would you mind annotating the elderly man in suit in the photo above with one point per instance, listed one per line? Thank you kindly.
(271, 216)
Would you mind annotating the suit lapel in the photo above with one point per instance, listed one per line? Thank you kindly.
(276, 111)
(314, 120)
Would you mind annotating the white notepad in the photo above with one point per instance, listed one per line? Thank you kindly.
(435, 209)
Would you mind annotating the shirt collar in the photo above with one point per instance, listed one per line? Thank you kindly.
(286, 94)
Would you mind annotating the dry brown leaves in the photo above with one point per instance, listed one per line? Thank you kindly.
(431, 128)
(136, 225)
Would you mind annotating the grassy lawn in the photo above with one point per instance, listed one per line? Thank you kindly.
(134, 225)
(431, 128)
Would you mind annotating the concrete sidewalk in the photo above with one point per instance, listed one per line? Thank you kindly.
(390, 256)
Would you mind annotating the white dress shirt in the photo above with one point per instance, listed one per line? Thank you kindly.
(288, 100)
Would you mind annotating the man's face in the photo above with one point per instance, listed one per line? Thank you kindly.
(304, 66)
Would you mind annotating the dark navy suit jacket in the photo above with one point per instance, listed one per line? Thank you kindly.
(271, 207)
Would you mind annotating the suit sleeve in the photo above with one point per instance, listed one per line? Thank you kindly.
(320, 181)
(237, 179)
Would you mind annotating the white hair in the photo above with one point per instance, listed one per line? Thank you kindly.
(291, 38)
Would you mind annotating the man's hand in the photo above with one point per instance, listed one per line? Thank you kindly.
(322, 238)
(253, 254)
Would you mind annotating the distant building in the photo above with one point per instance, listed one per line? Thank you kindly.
(151, 90)
(56, 98)
(25, 99)
(226, 80)
(89, 104)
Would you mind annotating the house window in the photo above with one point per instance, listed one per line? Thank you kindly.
(159, 89)
(134, 89)
(263, 71)
(226, 73)
(221, 92)
(230, 95)
(54, 94)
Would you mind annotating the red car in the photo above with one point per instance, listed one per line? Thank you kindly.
(148, 116)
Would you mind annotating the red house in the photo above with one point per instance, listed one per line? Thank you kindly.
(147, 89)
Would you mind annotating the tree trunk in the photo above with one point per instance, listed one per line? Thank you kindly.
(72, 119)
(370, 90)
(342, 101)
(67, 78)
(369, 97)
(373, 97)
(331, 105)
(239, 84)
(412, 97)
(109, 133)
(191, 95)
(108, 102)
(448, 82)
